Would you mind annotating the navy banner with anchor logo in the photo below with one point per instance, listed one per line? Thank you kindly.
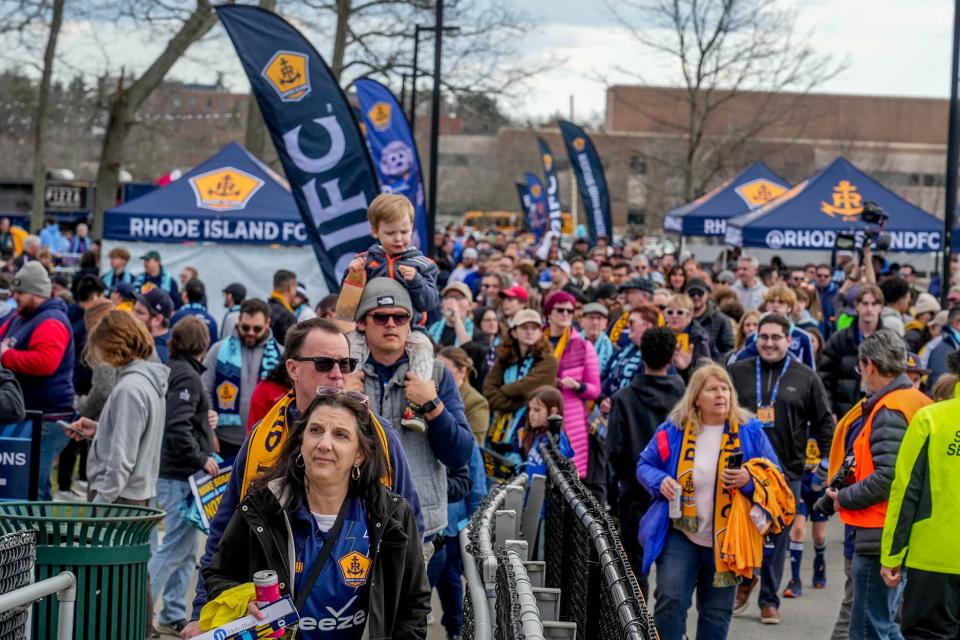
(593, 185)
(314, 130)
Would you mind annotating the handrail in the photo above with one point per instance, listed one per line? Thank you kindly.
(63, 584)
(529, 611)
(477, 592)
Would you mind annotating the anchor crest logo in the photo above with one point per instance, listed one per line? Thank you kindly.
(226, 189)
(847, 202)
(288, 73)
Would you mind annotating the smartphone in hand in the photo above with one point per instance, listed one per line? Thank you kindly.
(72, 429)
(735, 460)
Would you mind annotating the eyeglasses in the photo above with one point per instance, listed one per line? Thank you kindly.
(676, 312)
(324, 364)
(766, 337)
(489, 286)
(662, 307)
(563, 310)
(381, 319)
(857, 370)
(696, 293)
(334, 392)
(823, 276)
(251, 328)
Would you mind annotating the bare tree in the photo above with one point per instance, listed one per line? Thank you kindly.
(38, 209)
(724, 49)
(127, 99)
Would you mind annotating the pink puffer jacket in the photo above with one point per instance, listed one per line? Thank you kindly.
(579, 361)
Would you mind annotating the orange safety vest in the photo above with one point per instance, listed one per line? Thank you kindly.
(905, 401)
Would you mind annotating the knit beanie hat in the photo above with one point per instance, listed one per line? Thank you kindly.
(383, 292)
(556, 298)
(33, 278)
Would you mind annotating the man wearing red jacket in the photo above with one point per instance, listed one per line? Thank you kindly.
(36, 344)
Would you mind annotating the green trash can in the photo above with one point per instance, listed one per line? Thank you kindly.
(106, 547)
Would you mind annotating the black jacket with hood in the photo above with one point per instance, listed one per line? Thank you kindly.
(636, 412)
(258, 537)
(187, 438)
(719, 331)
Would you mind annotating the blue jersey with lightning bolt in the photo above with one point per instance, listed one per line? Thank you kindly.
(336, 608)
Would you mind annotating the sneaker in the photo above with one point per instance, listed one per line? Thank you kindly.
(794, 589)
(743, 595)
(170, 628)
(66, 496)
(81, 485)
(770, 615)
(412, 421)
(819, 572)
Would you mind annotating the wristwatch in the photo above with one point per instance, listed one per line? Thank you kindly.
(427, 407)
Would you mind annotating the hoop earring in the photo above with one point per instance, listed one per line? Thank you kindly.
(299, 461)
(355, 473)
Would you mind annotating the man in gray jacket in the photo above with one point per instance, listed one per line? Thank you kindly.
(234, 366)
(384, 316)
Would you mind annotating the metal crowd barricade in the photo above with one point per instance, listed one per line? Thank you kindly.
(585, 560)
(18, 591)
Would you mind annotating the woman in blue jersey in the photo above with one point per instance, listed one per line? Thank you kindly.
(344, 547)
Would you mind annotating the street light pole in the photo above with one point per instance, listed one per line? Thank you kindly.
(951, 196)
(413, 91)
(435, 127)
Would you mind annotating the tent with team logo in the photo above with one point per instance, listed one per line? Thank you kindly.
(811, 214)
(231, 217)
(707, 215)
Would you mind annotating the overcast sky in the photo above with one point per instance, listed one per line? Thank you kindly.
(893, 47)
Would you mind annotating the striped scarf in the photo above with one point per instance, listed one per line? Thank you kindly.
(229, 376)
(724, 576)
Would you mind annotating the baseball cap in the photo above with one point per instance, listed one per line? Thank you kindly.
(460, 288)
(527, 315)
(606, 292)
(940, 320)
(157, 301)
(126, 291)
(697, 284)
(237, 290)
(383, 292)
(926, 303)
(726, 277)
(516, 291)
(150, 255)
(302, 291)
(914, 365)
(596, 307)
(643, 284)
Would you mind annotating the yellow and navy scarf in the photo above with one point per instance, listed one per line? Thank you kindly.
(276, 295)
(267, 438)
(724, 576)
(562, 344)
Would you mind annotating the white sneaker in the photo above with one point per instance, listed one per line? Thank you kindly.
(66, 496)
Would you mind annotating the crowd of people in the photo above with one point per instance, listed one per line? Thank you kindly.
(713, 409)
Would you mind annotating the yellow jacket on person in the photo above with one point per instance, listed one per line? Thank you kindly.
(923, 512)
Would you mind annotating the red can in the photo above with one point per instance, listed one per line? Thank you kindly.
(267, 587)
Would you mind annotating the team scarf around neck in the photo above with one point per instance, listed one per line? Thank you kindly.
(562, 344)
(229, 376)
(276, 295)
(724, 576)
(267, 438)
(505, 422)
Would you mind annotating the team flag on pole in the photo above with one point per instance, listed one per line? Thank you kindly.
(593, 186)
(393, 150)
(314, 131)
(537, 213)
(553, 187)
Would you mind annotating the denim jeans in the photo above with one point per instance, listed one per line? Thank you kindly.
(444, 574)
(874, 603)
(771, 571)
(682, 567)
(52, 441)
(172, 566)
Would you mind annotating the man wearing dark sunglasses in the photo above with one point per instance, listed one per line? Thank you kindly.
(234, 366)
(317, 357)
(383, 317)
(714, 322)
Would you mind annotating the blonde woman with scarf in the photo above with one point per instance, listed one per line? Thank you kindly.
(688, 456)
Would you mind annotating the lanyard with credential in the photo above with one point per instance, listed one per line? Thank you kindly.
(765, 412)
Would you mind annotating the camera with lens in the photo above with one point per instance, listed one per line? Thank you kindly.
(824, 503)
(874, 216)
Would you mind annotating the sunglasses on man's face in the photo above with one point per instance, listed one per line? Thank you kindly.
(324, 364)
(251, 328)
(381, 319)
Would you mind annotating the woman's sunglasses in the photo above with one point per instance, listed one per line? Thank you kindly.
(563, 310)
(323, 364)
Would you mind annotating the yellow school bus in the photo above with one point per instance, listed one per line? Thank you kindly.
(507, 221)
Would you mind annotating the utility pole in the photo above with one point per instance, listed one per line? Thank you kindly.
(574, 193)
(435, 127)
(951, 197)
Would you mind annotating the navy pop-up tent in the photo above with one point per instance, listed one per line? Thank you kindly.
(231, 217)
(707, 215)
(810, 215)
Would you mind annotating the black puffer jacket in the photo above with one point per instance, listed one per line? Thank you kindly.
(719, 331)
(838, 369)
(257, 538)
(885, 436)
(187, 438)
(11, 397)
